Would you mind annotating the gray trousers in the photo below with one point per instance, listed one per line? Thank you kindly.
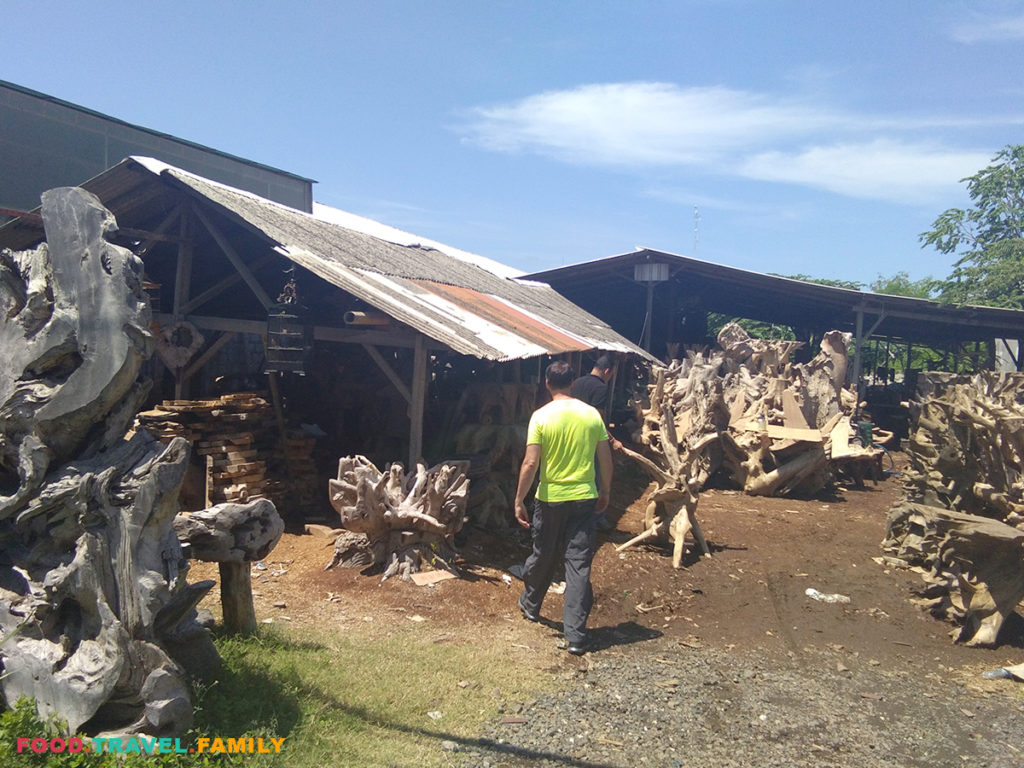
(566, 530)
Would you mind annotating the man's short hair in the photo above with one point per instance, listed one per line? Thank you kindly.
(559, 375)
(603, 363)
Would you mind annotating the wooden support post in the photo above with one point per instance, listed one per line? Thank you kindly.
(182, 286)
(236, 598)
(418, 402)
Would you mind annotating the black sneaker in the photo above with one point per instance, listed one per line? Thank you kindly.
(528, 615)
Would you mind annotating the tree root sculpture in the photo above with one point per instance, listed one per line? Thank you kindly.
(400, 521)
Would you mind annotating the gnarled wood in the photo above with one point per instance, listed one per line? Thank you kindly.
(406, 520)
(97, 622)
(975, 564)
(233, 535)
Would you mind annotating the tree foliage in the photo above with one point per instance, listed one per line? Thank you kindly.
(988, 238)
(852, 285)
(900, 284)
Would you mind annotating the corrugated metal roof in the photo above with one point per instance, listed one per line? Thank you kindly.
(744, 293)
(456, 302)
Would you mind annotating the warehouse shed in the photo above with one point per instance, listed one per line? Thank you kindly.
(406, 327)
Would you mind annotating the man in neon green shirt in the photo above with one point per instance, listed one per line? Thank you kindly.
(561, 443)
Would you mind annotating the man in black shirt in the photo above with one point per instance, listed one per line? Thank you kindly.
(593, 390)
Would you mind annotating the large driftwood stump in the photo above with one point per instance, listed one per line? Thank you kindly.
(974, 566)
(97, 622)
(233, 535)
(398, 520)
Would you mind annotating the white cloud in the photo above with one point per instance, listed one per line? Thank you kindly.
(984, 29)
(730, 132)
(642, 123)
(881, 169)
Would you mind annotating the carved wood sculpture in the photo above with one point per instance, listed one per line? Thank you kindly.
(97, 620)
(745, 409)
(233, 535)
(398, 520)
(974, 566)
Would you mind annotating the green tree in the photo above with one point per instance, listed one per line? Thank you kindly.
(988, 238)
(900, 284)
(852, 285)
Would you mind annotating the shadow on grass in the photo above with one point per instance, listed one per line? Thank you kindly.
(249, 697)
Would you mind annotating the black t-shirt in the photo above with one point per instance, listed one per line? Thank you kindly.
(590, 389)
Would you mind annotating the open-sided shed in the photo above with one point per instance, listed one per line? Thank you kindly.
(660, 298)
(220, 258)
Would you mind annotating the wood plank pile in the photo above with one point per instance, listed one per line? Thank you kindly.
(307, 491)
(962, 522)
(233, 433)
(742, 412)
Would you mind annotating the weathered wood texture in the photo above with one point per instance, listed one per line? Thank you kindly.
(233, 535)
(965, 489)
(397, 520)
(973, 566)
(742, 411)
(966, 446)
(97, 620)
(245, 455)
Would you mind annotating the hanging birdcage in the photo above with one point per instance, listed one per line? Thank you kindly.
(289, 340)
(289, 336)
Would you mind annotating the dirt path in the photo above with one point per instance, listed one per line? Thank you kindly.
(745, 610)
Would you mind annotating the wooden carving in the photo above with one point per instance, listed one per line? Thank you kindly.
(398, 520)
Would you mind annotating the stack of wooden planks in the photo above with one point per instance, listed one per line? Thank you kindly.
(234, 434)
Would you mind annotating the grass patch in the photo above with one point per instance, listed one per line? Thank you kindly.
(353, 699)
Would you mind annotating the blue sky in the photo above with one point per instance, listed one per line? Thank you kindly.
(812, 137)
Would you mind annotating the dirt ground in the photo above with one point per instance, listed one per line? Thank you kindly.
(750, 594)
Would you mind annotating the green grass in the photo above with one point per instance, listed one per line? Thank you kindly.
(349, 699)
(342, 699)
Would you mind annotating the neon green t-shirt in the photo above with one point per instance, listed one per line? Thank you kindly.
(567, 432)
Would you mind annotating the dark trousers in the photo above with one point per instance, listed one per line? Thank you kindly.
(563, 529)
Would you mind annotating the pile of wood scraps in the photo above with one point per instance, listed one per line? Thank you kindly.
(854, 460)
(764, 422)
(961, 525)
(742, 413)
(966, 446)
(306, 488)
